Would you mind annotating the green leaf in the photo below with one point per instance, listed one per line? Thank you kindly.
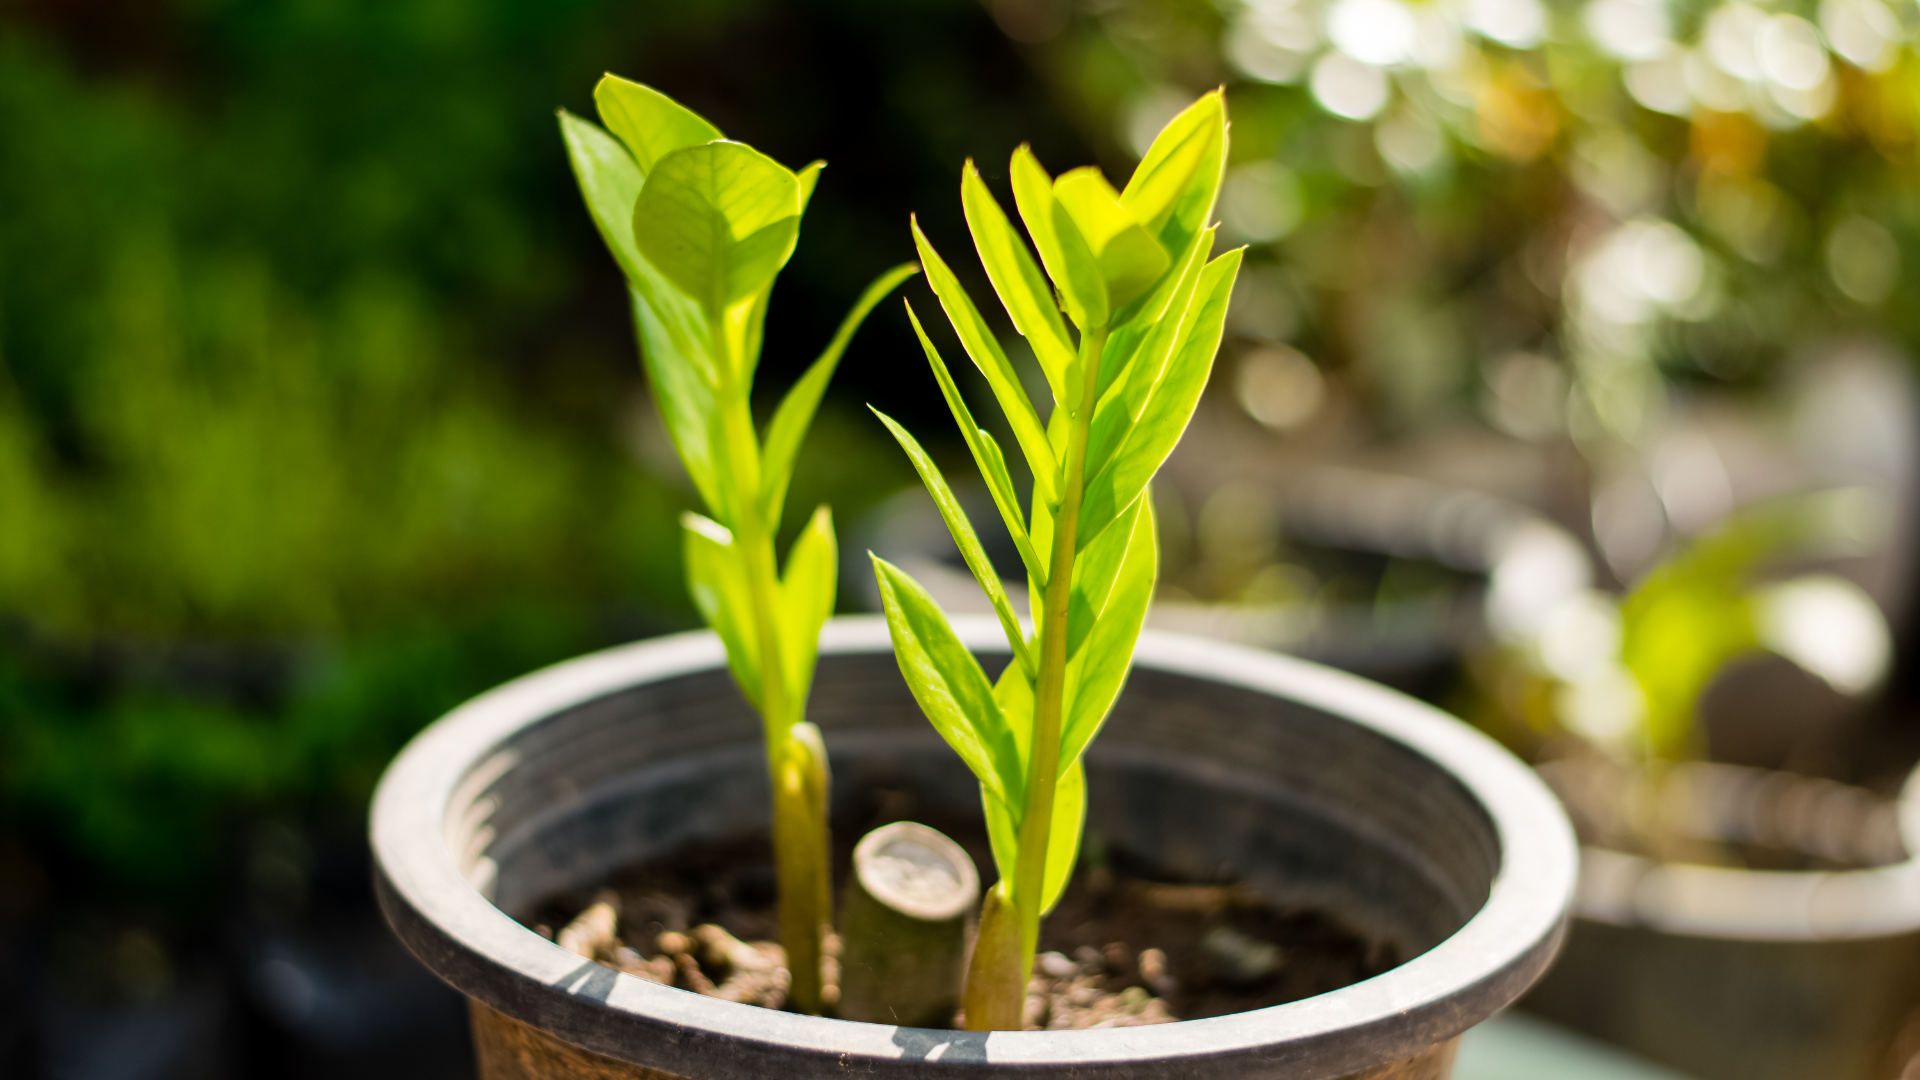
(609, 181)
(978, 340)
(1173, 190)
(1123, 402)
(986, 454)
(807, 590)
(1063, 840)
(718, 221)
(808, 177)
(795, 414)
(947, 682)
(1143, 331)
(718, 582)
(1023, 292)
(650, 123)
(1063, 251)
(1131, 260)
(675, 351)
(1097, 671)
(1095, 570)
(1003, 833)
(1167, 410)
(963, 537)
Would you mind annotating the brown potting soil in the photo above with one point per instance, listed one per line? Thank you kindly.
(1121, 948)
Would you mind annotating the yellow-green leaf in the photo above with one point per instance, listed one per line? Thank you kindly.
(718, 582)
(1023, 292)
(718, 220)
(947, 682)
(651, 124)
(964, 538)
(806, 599)
(978, 340)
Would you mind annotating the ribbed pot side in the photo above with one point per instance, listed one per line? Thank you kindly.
(1748, 975)
(1312, 786)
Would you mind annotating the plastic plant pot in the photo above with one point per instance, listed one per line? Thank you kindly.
(1732, 974)
(1314, 787)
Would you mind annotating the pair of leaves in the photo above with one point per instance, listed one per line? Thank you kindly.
(717, 571)
(693, 220)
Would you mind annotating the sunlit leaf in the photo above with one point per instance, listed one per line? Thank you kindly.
(1167, 410)
(1063, 251)
(795, 415)
(1063, 840)
(1146, 368)
(978, 340)
(986, 453)
(1130, 259)
(806, 599)
(651, 124)
(1095, 571)
(947, 682)
(610, 183)
(1016, 279)
(718, 220)
(964, 538)
(1097, 671)
(718, 582)
(1174, 188)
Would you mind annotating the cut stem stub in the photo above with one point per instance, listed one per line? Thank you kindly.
(904, 921)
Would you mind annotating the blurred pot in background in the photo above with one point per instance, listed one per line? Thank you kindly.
(1731, 921)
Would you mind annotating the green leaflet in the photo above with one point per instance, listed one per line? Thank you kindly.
(1121, 405)
(718, 220)
(1097, 671)
(1063, 841)
(1063, 251)
(986, 453)
(673, 350)
(1173, 190)
(1167, 410)
(719, 586)
(948, 684)
(610, 182)
(651, 124)
(964, 537)
(806, 599)
(978, 340)
(795, 414)
(1095, 572)
(1022, 291)
(1130, 259)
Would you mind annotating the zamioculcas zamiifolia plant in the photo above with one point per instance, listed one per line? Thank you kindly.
(701, 225)
(1131, 271)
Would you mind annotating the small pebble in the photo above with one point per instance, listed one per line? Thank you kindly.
(1056, 965)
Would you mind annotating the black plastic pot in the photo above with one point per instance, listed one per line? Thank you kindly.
(1312, 786)
(1734, 974)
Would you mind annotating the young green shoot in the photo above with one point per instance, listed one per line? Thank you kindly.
(700, 226)
(1131, 271)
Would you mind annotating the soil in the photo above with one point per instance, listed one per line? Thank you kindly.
(1124, 947)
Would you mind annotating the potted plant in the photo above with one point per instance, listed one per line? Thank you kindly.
(1238, 773)
(1732, 921)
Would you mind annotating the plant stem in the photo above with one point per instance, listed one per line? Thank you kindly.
(1043, 761)
(796, 763)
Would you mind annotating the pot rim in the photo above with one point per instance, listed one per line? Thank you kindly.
(1728, 903)
(480, 950)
